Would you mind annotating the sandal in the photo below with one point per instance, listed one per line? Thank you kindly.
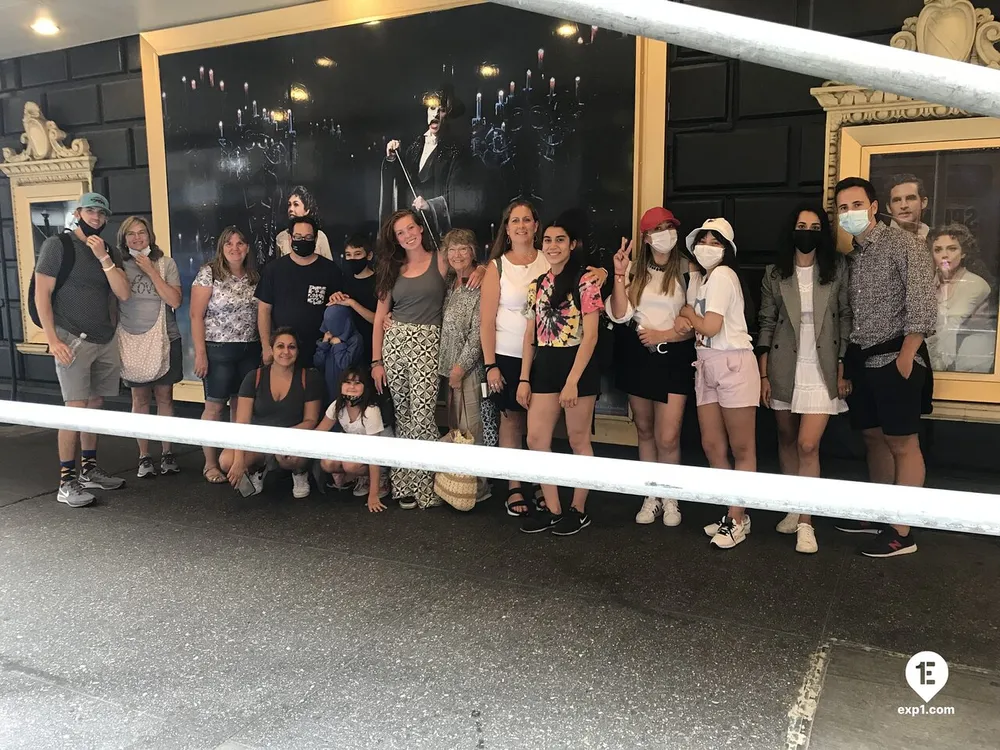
(214, 475)
(512, 504)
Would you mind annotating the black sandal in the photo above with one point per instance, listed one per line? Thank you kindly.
(522, 503)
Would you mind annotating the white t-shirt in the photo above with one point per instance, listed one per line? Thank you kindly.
(511, 322)
(721, 293)
(369, 423)
(656, 310)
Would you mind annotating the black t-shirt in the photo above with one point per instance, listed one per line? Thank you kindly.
(298, 296)
(363, 290)
(290, 410)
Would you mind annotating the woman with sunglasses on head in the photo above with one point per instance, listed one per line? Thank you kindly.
(726, 381)
(655, 363)
(224, 330)
(805, 325)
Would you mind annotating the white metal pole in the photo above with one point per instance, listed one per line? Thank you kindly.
(940, 509)
(933, 79)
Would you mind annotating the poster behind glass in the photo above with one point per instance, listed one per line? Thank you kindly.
(951, 201)
(539, 108)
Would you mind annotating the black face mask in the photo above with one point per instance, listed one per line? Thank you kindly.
(352, 400)
(806, 240)
(304, 248)
(355, 266)
(89, 231)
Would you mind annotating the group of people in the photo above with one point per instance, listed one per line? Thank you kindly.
(521, 341)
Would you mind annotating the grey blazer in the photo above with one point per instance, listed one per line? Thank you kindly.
(780, 315)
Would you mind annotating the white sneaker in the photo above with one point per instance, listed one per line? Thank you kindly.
(805, 539)
(788, 524)
(300, 485)
(731, 533)
(257, 480)
(361, 486)
(713, 528)
(671, 515)
(651, 508)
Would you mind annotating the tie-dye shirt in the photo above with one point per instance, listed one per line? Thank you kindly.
(562, 325)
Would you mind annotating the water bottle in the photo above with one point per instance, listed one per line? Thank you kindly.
(74, 345)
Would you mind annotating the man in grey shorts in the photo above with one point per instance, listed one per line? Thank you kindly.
(78, 325)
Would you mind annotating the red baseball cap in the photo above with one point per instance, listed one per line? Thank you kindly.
(656, 216)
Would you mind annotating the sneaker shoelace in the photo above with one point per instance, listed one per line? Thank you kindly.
(726, 527)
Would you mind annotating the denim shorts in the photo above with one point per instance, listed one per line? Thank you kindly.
(228, 365)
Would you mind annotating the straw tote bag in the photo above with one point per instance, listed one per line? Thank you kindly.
(146, 356)
(458, 490)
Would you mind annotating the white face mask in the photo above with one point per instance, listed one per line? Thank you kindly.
(663, 242)
(709, 256)
(134, 253)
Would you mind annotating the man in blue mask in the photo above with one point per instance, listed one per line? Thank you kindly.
(895, 309)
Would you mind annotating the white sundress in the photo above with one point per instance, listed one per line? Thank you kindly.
(810, 394)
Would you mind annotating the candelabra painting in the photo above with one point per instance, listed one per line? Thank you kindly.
(454, 113)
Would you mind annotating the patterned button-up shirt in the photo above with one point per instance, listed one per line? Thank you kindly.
(891, 289)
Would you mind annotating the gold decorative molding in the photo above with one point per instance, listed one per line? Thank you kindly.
(952, 29)
(45, 158)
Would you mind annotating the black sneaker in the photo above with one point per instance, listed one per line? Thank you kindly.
(539, 521)
(859, 527)
(889, 543)
(571, 522)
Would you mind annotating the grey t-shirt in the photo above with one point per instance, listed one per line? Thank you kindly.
(139, 312)
(83, 304)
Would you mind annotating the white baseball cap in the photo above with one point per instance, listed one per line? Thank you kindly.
(719, 225)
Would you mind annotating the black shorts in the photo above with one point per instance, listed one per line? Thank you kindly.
(551, 368)
(651, 375)
(881, 397)
(510, 369)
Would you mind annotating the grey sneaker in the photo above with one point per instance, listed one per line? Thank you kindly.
(361, 487)
(168, 464)
(146, 468)
(73, 494)
(98, 479)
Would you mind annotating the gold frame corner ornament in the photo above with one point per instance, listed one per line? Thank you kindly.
(45, 170)
(649, 157)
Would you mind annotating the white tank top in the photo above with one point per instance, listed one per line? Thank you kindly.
(514, 281)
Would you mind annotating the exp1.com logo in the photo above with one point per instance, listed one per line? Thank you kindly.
(927, 674)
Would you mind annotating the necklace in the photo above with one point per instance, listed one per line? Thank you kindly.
(652, 265)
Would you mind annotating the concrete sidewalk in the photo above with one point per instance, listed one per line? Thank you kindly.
(174, 614)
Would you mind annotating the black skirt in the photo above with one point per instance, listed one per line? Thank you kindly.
(651, 375)
(551, 367)
(506, 399)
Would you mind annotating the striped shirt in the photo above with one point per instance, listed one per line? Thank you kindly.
(891, 290)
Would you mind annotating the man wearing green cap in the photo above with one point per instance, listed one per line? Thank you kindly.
(78, 325)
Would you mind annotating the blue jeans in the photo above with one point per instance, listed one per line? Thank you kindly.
(228, 365)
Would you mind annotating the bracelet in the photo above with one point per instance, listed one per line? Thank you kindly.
(764, 377)
(107, 269)
(522, 380)
(376, 362)
(494, 366)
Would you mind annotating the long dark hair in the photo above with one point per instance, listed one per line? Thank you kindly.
(826, 251)
(569, 277)
(501, 243)
(389, 254)
(368, 396)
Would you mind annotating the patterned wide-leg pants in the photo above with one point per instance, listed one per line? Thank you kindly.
(410, 354)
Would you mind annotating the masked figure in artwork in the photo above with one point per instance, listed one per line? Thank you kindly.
(424, 175)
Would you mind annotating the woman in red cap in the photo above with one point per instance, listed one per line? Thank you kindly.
(654, 366)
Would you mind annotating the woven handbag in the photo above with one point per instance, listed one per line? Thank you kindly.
(146, 356)
(458, 490)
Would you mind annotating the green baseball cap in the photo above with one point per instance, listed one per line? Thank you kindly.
(96, 200)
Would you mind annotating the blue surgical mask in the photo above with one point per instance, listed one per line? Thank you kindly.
(855, 222)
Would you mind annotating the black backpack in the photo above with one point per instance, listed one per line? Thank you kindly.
(65, 269)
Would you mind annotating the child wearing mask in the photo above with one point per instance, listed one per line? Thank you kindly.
(359, 288)
(340, 348)
(727, 381)
(356, 412)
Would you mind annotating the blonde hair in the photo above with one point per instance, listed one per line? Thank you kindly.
(640, 274)
(155, 253)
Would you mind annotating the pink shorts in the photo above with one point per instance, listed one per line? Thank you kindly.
(729, 378)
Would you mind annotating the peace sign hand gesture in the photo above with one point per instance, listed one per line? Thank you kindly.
(623, 257)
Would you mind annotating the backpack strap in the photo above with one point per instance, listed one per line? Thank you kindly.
(68, 259)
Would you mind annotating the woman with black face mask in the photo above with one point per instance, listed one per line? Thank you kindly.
(805, 324)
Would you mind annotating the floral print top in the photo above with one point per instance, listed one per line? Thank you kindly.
(560, 325)
(231, 316)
